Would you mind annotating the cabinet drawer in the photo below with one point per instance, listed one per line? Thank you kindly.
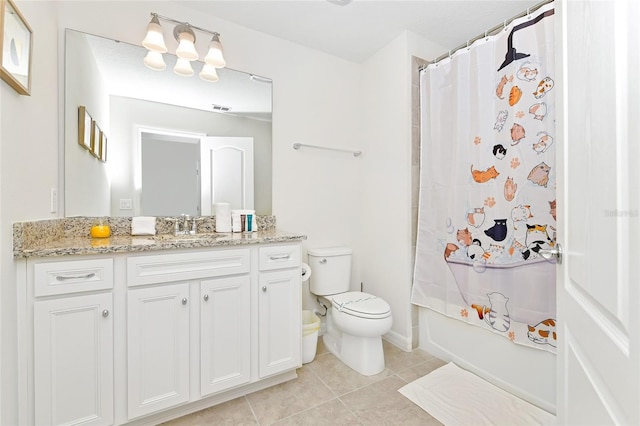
(142, 270)
(279, 257)
(52, 278)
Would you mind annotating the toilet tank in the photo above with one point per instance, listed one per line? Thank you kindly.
(330, 270)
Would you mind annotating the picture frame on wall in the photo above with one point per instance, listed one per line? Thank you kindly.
(103, 147)
(84, 128)
(95, 139)
(16, 45)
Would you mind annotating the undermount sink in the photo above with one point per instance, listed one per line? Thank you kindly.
(188, 237)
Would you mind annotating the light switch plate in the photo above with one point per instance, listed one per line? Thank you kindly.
(54, 200)
(125, 204)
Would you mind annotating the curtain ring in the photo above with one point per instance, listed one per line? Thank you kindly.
(504, 26)
(486, 37)
(528, 13)
(449, 54)
(468, 45)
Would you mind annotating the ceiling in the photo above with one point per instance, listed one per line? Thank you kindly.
(356, 30)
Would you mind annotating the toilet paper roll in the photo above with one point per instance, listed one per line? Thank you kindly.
(306, 272)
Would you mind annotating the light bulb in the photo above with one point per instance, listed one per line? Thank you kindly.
(154, 40)
(183, 68)
(209, 73)
(154, 61)
(186, 39)
(214, 56)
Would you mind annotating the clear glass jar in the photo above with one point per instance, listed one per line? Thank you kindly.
(100, 229)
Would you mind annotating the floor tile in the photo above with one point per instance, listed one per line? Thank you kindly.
(283, 400)
(396, 359)
(340, 378)
(420, 370)
(333, 413)
(382, 404)
(232, 413)
(327, 392)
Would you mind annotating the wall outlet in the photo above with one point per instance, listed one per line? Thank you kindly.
(125, 204)
(54, 200)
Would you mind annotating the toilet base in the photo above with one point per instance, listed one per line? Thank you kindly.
(362, 354)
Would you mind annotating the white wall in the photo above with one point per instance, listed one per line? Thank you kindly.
(28, 170)
(385, 245)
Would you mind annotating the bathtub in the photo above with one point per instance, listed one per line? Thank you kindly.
(529, 285)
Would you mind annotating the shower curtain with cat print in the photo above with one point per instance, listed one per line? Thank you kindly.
(487, 184)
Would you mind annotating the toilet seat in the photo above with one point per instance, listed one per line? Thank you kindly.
(360, 304)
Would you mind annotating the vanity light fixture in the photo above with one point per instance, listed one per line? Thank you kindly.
(186, 51)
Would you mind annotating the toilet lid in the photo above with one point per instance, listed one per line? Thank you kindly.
(361, 304)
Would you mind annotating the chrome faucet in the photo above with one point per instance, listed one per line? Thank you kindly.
(182, 225)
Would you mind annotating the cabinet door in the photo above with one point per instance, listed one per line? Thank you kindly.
(157, 348)
(73, 361)
(280, 323)
(225, 329)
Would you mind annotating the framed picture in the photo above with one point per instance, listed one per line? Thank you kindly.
(84, 128)
(95, 139)
(103, 147)
(16, 47)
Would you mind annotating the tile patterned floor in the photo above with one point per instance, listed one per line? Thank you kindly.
(327, 392)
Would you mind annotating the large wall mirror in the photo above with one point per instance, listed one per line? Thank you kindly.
(153, 131)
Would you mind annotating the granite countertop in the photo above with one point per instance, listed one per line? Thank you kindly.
(64, 237)
(127, 244)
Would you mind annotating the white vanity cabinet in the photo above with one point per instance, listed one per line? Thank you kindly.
(157, 348)
(280, 326)
(140, 338)
(225, 333)
(73, 342)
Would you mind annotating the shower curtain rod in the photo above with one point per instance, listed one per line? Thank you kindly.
(489, 32)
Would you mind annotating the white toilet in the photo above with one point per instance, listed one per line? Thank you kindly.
(356, 321)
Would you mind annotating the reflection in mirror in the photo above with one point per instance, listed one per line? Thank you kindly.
(157, 122)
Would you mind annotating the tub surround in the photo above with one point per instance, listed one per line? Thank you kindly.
(71, 236)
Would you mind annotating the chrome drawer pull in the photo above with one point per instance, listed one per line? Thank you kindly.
(75, 277)
(287, 256)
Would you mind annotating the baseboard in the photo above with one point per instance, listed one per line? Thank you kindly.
(396, 339)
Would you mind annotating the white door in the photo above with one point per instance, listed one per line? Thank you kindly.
(170, 176)
(225, 333)
(73, 361)
(157, 348)
(227, 172)
(280, 321)
(599, 214)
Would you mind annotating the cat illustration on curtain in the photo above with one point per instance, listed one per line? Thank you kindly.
(543, 333)
(540, 174)
(498, 232)
(537, 239)
(475, 217)
(496, 314)
(543, 143)
(482, 176)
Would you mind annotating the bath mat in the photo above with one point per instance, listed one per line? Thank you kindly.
(457, 397)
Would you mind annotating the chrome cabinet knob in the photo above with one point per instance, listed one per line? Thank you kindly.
(206, 297)
(105, 313)
(264, 288)
(184, 300)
